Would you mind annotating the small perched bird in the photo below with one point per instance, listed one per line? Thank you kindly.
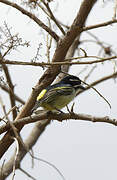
(57, 96)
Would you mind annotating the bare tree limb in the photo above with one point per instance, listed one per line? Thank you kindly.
(99, 25)
(113, 75)
(53, 17)
(60, 117)
(11, 86)
(66, 61)
(95, 25)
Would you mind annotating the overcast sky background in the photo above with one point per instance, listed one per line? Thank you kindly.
(79, 149)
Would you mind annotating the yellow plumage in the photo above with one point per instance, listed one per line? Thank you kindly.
(41, 94)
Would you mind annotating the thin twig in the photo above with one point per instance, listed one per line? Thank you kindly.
(43, 9)
(53, 17)
(88, 75)
(48, 44)
(6, 114)
(4, 110)
(15, 159)
(98, 93)
(52, 165)
(96, 38)
(115, 9)
(22, 170)
(2, 168)
(82, 70)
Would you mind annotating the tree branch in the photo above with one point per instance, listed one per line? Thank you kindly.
(53, 17)
(66, 61)
(99, 25)
(60, 117)
(11, 86)
(113, 75)
(95, 25)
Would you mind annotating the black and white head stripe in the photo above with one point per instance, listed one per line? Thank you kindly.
(70, 79)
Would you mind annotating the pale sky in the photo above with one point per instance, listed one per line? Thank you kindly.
(79, 149)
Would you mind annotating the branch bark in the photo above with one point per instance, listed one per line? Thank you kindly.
(99, 25)
(60, 117)
(66, 61)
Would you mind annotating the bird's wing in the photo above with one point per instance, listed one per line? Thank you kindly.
(56, 92)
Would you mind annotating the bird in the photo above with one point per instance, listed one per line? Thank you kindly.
(57, 96)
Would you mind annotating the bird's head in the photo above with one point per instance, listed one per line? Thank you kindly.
(73, 81)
